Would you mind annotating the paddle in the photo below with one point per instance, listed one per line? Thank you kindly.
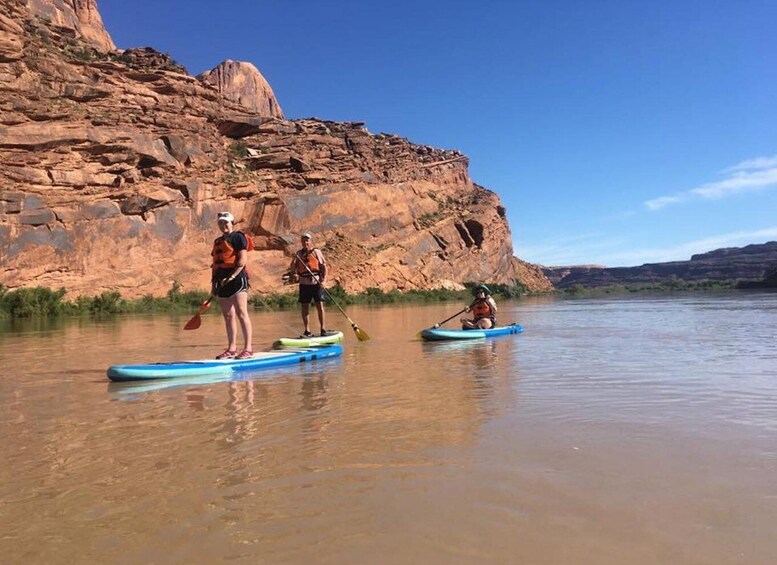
(196, 321)
(361, 335)
(438, 324)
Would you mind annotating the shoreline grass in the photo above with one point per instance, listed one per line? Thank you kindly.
(41, 302)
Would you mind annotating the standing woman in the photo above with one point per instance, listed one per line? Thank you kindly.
(229, 284)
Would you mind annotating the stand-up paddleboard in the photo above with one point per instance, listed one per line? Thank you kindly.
(334, 337)
(259, 360)
(129, 390)
(439, 334)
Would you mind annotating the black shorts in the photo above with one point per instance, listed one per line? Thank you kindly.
(240, 284)
(308, 292)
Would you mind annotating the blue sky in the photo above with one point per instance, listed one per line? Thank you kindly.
(616, 132)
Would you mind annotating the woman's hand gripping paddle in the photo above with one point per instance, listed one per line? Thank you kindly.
(196, 321)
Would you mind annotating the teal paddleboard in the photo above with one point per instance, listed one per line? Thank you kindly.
(259, 360)
(439, 334)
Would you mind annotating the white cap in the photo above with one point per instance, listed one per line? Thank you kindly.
(306, 235)
(225, 216)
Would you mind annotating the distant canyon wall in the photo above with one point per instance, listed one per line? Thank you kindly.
(749, 263)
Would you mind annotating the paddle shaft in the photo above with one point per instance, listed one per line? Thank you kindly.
(456, 314)
(205, 305)
(449, 319)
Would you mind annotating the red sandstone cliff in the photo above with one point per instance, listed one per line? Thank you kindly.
(113, 166)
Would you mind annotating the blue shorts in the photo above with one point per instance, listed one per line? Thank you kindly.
(308, 292)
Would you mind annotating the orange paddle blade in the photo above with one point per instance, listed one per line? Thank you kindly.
(196, 321)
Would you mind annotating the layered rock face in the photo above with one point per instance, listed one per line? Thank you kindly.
(114, 165)
(243, 83)
(11, 33)
(750, 263)
(81, 16)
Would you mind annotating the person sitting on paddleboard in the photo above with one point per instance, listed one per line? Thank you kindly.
(483, 310)
(309, 266)
(229, 284)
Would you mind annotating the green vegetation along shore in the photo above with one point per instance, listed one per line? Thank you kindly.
(45, 302)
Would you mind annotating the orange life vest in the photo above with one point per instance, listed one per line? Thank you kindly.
(309, 259)
(482, 310)
(224, 255)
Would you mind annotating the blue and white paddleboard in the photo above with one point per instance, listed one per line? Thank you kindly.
(439, 334)
(259, 360)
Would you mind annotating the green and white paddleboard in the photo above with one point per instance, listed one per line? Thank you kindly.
(334, 337)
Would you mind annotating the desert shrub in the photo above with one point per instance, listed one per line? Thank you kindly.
(31, 302)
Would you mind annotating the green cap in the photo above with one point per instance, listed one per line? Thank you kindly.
(478, 288)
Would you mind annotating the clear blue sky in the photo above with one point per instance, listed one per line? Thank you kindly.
(616, 132)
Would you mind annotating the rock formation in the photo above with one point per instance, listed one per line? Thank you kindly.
(113, 166)
(750, 263)
(80, 16)
(243, 83)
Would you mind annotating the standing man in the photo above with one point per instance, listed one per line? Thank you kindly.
(310, 266)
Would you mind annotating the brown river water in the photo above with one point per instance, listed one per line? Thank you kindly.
(629, 431)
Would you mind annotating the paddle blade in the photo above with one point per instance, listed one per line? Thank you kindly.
(194, 323)
(361, 335)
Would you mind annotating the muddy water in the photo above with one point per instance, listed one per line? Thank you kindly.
(639, 431)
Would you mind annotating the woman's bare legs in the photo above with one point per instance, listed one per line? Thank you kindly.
(241, 303)
(482, 323)
(235, 309)
(227, 306)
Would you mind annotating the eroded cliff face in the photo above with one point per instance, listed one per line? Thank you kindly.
(114, 165)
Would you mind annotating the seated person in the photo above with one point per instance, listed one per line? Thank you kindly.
(483, 310)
